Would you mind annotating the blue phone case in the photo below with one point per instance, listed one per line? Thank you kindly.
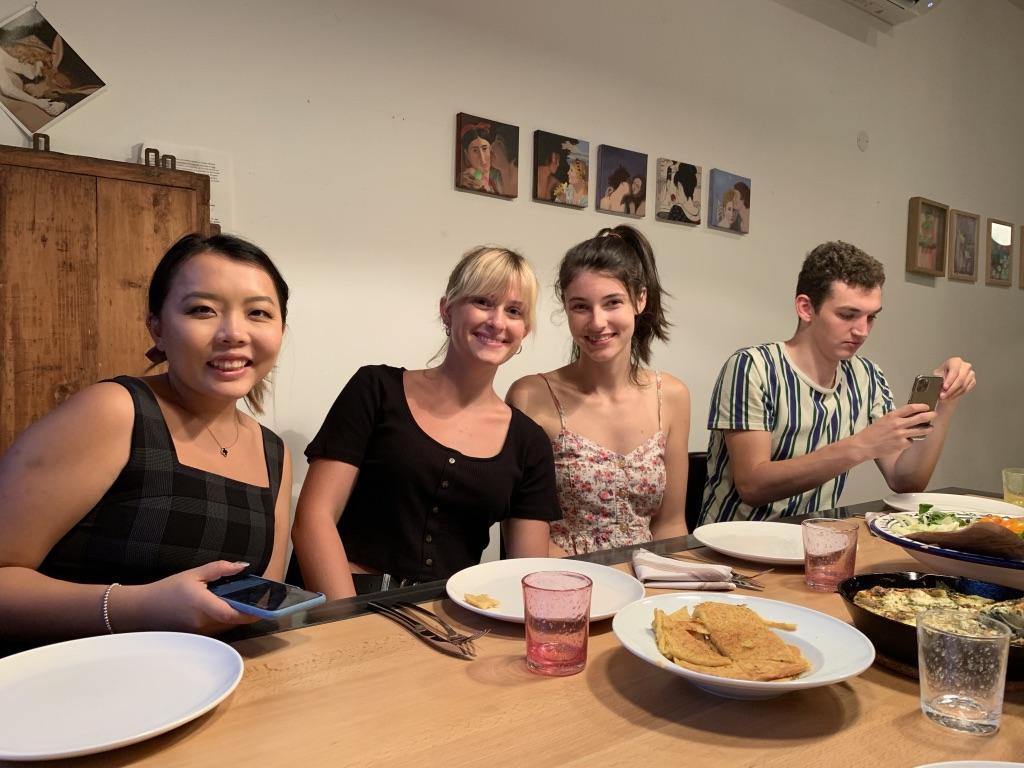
(264, 613)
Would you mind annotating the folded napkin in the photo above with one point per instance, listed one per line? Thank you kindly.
(668, 573)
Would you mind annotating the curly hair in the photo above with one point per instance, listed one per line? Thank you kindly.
(836, 260)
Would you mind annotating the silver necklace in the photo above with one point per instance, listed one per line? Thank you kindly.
(224, 448)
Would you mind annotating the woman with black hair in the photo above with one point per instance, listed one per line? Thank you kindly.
(120, 505)
(618, 429)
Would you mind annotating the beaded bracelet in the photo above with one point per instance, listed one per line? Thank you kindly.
(106, 607)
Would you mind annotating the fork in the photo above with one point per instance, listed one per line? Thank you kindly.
(422, 631)
(748, 581)
(454, 636)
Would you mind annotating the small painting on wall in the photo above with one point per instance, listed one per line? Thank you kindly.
(486, 156)
(729, 202)
(621, 181)
(561, 169)
(678, 192)
(926, 237)
(42, 78)
(999, 247)
(962, 246)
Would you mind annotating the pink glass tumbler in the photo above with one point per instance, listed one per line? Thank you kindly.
(557, 611)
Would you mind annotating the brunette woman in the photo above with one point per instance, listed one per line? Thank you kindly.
(120, 505)
(619, 430)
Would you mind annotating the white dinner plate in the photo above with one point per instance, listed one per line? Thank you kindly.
(502, 580)
(836, 650)
(98, 693)
(953, 502)
(762, 542)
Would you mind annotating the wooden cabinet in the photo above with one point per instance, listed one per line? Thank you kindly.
(79, 238)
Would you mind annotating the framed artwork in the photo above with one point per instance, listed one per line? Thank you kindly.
(486, 156)
(43, 79)
(678, 192)
(962, 246)
(561, 169)
(999, 253)
(621, 181)
(729, 201)
(926, 237)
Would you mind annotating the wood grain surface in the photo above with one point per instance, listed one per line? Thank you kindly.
(363, 692)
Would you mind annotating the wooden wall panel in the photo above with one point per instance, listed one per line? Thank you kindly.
(47, 292)
(136, 224)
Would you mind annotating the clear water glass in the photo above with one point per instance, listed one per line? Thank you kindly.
(962, 664)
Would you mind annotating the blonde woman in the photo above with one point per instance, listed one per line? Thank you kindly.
(411, 468)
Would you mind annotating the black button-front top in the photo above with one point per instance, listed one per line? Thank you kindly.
(420, 510)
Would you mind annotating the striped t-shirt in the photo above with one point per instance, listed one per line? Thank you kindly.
(760, 388)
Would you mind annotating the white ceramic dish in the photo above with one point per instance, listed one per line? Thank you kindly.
(836, 650)
(762, 542)
(502, 580)
(951, 562)
(99, 693)
(952, 502)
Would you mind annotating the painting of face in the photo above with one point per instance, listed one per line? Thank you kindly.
(486, 156)
(622, 173)
(729, 202)
(678, 192)
(560, 169)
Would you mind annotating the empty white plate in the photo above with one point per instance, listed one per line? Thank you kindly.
(98, 693)
(762, 542)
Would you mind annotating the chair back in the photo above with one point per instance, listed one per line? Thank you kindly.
(698, 475)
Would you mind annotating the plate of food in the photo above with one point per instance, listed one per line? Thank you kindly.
(757, 540)
(495, 588)
(884, 606)
(959, 543)
(952, 502)
(742, 647)
(98, 693)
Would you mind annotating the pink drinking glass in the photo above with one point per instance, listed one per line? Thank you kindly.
(556, 605)
(830, 551)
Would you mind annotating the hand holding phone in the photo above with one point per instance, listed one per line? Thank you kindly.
(261, 597)
(926, 390)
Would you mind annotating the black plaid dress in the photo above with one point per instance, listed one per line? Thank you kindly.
(161, 517)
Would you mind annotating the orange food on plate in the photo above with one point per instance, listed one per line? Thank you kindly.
(1014, 524)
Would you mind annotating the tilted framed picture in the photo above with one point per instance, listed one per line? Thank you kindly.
(962, 246)
(926, 237)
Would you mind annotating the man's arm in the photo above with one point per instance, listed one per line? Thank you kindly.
(759, 480)
(910, 470)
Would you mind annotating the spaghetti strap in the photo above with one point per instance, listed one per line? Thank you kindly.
(558, 405)
(657, 378)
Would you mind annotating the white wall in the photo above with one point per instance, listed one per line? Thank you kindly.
(340, 117)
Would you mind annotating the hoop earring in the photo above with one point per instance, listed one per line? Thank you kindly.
(519, 351)
(447, 330)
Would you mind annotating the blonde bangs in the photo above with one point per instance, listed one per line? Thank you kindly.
(494, 272)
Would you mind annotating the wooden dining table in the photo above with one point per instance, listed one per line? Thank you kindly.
(355, 689)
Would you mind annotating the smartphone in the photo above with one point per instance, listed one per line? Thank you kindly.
(261, 597)
(926, 389)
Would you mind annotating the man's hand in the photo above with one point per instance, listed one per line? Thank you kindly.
(958, 378)
(893, 433)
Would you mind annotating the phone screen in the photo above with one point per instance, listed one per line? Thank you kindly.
(261, 593)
